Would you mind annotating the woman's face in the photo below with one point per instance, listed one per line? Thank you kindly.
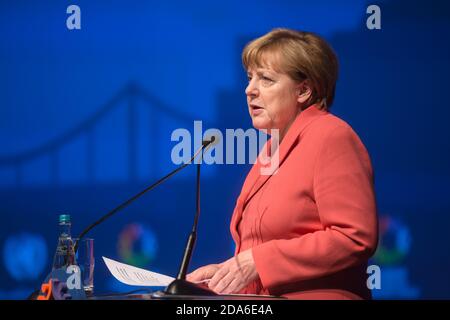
(273, 99)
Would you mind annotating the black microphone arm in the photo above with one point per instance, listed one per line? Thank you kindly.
(193, 235)
(180, 287)
(205, 144)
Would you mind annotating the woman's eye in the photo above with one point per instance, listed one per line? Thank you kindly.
(266, 79)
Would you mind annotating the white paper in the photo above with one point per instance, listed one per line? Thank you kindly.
(136, 276)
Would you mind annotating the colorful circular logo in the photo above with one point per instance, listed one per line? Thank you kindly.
(395, 241)
(137, 245)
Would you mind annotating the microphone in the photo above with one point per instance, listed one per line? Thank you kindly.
(205, 144)
(211, 140)
(180, 286)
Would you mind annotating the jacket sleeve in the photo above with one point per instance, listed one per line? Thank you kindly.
(344, 195)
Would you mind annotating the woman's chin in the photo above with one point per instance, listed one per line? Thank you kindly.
(260, 124)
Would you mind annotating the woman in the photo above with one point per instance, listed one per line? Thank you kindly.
(307, 231)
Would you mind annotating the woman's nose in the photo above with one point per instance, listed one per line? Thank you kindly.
(251, 89)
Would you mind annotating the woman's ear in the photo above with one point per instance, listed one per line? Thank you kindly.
(304, 92)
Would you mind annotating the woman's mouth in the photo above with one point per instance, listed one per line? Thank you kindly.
(256, 110)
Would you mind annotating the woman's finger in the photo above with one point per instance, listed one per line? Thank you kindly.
(202, 273)
(223, 283)
(222, 272)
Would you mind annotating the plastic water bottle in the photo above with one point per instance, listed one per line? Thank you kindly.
(65, 254)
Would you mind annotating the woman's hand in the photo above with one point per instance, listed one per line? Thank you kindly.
(234, 274)
(203, 273)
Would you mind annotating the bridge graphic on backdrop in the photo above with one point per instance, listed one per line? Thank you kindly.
(131, 95)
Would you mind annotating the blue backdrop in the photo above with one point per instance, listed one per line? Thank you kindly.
(86, 117)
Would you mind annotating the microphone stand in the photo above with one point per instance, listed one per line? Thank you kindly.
(180, 286)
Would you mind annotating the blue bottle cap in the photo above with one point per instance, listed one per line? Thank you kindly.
(64, 218)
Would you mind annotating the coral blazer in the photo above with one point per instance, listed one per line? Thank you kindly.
(312, 225)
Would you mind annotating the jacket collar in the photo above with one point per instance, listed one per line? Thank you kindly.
(255, 180)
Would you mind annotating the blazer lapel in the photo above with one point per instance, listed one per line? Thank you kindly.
(255, 180)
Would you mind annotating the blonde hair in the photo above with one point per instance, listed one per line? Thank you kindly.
(300, 55)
